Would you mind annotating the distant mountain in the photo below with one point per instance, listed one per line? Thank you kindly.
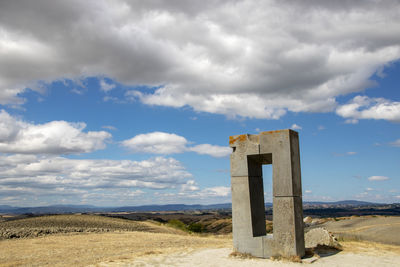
(342, 202)
(354, 202)
(172, 207)
(57, 209)
(5, 207)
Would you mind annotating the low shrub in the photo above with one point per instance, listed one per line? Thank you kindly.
(177, 224)
(196, 227)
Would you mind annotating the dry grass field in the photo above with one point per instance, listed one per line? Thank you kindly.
(211, 222)
(81, 240)
(92, 248)
(90, 240)
(380, 229)
(55, 224)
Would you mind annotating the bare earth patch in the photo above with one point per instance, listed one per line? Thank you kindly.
(373, 256)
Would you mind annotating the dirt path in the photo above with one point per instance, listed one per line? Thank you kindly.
(364, 255)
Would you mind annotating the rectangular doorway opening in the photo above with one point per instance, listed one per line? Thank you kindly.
(267, 172)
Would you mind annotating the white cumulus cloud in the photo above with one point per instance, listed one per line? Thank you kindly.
(396, 143)
(219, 191)
(211, 55)
(168, 143)
(363, 107)
(105, 86)
(156, 143)
(378, 178)
(189, 186)
(211, 150)
(295, 127)
(207, 193)
(55, 137)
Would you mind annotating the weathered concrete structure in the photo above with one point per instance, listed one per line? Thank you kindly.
(250, 152)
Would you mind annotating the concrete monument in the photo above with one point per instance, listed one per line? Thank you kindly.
(250, 152)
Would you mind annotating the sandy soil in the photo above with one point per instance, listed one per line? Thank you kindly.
(365, 254)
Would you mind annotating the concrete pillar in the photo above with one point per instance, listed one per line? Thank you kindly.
(250, 152)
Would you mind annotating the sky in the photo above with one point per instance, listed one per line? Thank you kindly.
(117, 103)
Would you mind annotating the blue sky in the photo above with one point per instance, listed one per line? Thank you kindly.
(115, 103)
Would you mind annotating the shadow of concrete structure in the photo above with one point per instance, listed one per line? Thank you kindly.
(250, 152)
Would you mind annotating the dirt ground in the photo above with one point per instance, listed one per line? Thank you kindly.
(91, 248)
(354, 254)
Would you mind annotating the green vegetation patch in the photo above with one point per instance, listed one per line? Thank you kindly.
(192, 227)
(177, 224)
(196, 227)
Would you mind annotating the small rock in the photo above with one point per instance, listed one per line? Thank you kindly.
(310, 260)
(320, 236)
(307, 219)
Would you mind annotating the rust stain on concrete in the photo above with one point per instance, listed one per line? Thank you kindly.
(273, 132)
(241, 138)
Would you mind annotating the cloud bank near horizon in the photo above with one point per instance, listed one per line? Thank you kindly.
(212, 56)
(42, 177)
(31, 165)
